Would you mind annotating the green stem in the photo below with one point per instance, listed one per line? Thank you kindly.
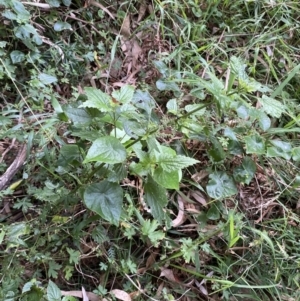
(194, 111)
(94, 171)
(139, 139)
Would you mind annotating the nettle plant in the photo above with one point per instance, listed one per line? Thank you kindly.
(234, 118)
(122, 130)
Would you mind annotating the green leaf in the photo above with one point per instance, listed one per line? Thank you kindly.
(67, 2)
(17, 56)
(124, 95)
(74, 256)
(149, 230)
(272, 106)
(228, 132)
(245, 172)
(255, 144)
(166, 179)
(194, 107)
(97, 99)
(162, 68)
(78, 116)
(59, 26)
(171, 163)
(53, 292)
(216, 153)
(220, 185)
(280, 149)
(53, 268)
(107, 150)
(144, 101)
(156, 199)
(213, 213)
(53, 3)
(264, 121)
(69, 154)
(243, 112)
(14, 232)
(47, 79)
(172, 106)
(58, 109)
(9, 15)
(105, 199)
(296, 153)
(164, 85)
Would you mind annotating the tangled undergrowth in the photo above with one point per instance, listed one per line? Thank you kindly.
(149, 150)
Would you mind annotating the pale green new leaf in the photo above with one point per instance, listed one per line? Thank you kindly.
(170, 163)
(166, 179)
(53, 292)
(105, 199)
(107, 150)
(124, 95)
(97, 99)
(272, 106)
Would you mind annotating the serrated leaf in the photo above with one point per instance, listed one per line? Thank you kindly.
(107, 150)
(124, 95)
(156, 198)
(143, 100)
(97, 99)
(17, 56)
(59, 26)
(255, 145)
(272, 106)
(166, 179)
(220, 186)
(172, 163)
(105, 199)
(77, 115)
(47, 79)
(53, 292)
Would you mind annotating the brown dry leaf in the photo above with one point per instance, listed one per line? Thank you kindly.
(168, 273)
(142, 10)
(199, 197)
(78, 294)
(121, 295)
(199, 176)
(179, 220)
(130, 47)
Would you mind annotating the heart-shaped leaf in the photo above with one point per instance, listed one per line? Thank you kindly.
(220, 186)
(107, 150)
(105, 199)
